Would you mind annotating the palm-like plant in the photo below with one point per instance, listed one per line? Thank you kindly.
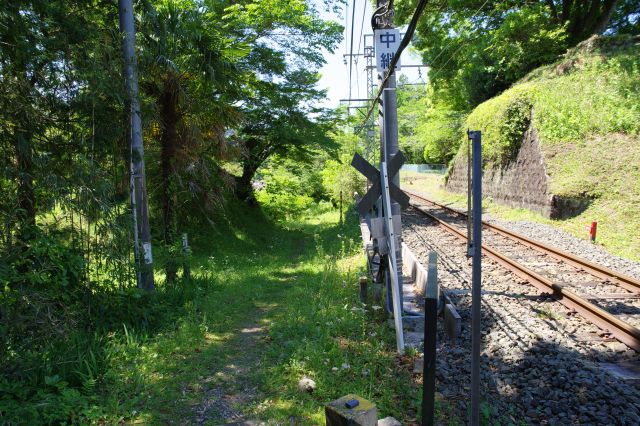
(188, 68)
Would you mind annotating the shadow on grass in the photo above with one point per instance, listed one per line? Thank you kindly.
(249, 278)
(131, 356)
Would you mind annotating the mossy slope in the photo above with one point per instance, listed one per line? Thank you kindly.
(586, 110)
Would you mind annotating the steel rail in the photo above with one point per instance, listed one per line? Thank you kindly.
(624, 332)
(624, 281)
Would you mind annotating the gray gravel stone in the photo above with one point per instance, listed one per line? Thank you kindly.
(389, 421)
(535, 367)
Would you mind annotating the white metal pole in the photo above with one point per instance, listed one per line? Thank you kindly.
(393, 272)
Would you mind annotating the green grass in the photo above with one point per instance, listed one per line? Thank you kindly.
(586, 111)
(614, 213)
(296, 280)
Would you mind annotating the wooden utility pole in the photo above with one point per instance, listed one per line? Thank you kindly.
(139, 202)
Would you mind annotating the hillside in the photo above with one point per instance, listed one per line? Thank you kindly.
(565, 142)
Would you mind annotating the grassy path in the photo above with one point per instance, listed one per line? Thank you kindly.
(244, 270)
(268, 305)
(229, 389)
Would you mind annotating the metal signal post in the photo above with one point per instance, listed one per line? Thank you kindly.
(476, 284)
(380, 208)
(386, 39)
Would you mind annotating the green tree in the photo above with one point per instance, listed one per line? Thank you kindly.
(32, 69)
(59, 66)
(278, 114)
(337, 174)
(280, 122)
(221, 81)
(478, 48)
(428, 128)
(191, 74)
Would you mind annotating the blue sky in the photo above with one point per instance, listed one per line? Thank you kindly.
(335, 74)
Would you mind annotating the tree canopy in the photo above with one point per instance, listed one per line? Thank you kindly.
(220, 82)
(222, 89)
(477, 49)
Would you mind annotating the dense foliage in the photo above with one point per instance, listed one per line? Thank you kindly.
(477, 49)
(220, 84)
(585, 111)
(428, 128)
(287, 188)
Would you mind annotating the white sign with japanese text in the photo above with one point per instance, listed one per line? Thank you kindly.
(387, 43)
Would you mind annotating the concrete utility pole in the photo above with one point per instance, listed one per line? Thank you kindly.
(388, 122)
(139, 202)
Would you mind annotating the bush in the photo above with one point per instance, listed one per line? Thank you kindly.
(440, 135)
(503, 121)
(285, 194)
(53, 365)
(45, 262)
(338, 176)
(428, 130)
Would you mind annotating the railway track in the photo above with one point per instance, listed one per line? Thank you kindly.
(608, 299)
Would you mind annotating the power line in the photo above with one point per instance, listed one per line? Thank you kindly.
(353, 18)
(403, 44)
(364, 13)
(346, 25)
(357, 78)
(441, 68)
(451, 42)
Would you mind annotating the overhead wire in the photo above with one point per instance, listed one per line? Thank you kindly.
(392, 66)
(353, 18)
(364, 13)
(436, 71)
(346, 25)
(417, 82)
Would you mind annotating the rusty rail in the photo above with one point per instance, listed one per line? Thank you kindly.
(621, 330)
(624, 281)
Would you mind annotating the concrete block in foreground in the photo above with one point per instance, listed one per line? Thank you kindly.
(452, 322)
(364, 414)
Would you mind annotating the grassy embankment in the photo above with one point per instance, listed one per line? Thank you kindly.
(616, 242)
(586, 110)
(294, 282)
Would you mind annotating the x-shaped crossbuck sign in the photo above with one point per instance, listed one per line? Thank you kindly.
(374, 176)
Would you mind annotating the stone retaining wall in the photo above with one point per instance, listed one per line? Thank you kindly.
(522, 182)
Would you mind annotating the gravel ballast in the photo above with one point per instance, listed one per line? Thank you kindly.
(542, 364)
(580, 247)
